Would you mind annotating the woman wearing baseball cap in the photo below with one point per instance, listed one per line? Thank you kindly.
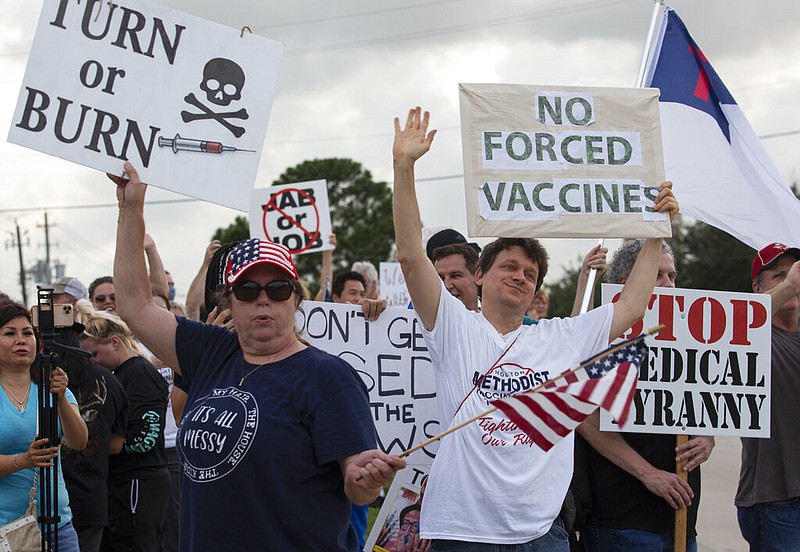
(277, 437)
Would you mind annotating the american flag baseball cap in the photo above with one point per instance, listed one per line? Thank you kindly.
(769, 254)
(256, 251)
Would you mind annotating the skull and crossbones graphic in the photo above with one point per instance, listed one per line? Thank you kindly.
(222, 83)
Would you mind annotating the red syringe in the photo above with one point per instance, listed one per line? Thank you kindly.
(188, 144)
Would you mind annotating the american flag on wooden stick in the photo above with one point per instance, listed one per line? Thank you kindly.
(606, 380)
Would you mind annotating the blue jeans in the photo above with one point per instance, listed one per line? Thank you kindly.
(771, 526)
(600, 538)
(67, 539)
(555, 540)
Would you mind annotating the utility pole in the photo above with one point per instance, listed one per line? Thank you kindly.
(21, 266)
(47, 277)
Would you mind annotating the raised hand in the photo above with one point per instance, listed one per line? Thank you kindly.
(413, 141)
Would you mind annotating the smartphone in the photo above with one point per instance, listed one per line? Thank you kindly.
(62, 315)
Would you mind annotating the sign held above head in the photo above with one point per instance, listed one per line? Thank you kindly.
(131, 80)
(561, 161)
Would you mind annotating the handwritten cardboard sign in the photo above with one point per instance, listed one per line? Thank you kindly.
(561, 161)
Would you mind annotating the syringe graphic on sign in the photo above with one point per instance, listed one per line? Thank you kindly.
(203, 146)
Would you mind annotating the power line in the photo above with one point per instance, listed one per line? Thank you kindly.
(93, 206)
(779, 134)
(354, 15)
(455, 28)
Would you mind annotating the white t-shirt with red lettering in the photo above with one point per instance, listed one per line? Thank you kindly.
(489, 482)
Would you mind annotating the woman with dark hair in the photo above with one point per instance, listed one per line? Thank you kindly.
(21, 449)
(277, 436)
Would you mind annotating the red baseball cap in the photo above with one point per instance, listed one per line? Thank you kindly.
(769, 254)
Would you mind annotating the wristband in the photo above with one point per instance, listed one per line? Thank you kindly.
(14, 461)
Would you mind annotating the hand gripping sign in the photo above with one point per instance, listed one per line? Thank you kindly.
(295, 215)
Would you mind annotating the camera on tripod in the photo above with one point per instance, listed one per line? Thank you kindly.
(60, 314)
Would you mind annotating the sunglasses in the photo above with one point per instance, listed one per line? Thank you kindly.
(102, 298)
(277, 290)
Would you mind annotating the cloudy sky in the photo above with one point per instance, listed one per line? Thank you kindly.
(351, 66)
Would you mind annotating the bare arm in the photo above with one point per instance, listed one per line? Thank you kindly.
(76, 434)
(594, 259)
(638, 289)
(366, 473)
(669, 486)
(424, 286)
(115, 444)
(790, 287)
(195, 296)
(326, 275)
(158, 276)
(154, 326)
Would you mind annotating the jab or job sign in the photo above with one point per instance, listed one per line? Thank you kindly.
(708, 369)
(561, 161)
(185, 100)
(295, 215)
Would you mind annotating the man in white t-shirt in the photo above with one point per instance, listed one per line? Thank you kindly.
(489, 483)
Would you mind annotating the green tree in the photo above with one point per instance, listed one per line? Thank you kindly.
(361, 215)
(238, 230)
(708, 258)
(562, 291)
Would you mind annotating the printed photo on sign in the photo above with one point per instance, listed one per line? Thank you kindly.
(185, 100)
(708, 369)
(564, 162)
(295, 215)
(396, 528)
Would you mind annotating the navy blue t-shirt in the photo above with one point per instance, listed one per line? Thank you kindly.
(260, 468)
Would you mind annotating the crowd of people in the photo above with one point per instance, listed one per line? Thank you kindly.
(216, 426)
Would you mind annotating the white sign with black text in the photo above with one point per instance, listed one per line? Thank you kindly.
(185, 100)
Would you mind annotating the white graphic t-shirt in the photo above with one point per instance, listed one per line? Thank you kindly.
(489, 481)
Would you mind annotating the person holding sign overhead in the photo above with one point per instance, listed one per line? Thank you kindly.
(488, 485)
(768, 497)
(276, 435)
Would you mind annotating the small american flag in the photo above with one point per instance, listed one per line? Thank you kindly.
(256, 251)
(607, 380)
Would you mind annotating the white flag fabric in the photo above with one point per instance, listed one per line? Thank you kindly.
(721, 173)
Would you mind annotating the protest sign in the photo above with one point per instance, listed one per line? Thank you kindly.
(391, 357)
(185, 100)
(561, 161)
(393, 285)
(708, 369)
(397, 524)
(295, 215)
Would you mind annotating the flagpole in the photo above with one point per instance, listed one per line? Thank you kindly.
(679, 534)
(679, 539)
(658, 7)
(595, 358)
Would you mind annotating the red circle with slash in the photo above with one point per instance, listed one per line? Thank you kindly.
(271, 205)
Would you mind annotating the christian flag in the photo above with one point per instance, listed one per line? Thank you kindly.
(607, 380)
(721, 173)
